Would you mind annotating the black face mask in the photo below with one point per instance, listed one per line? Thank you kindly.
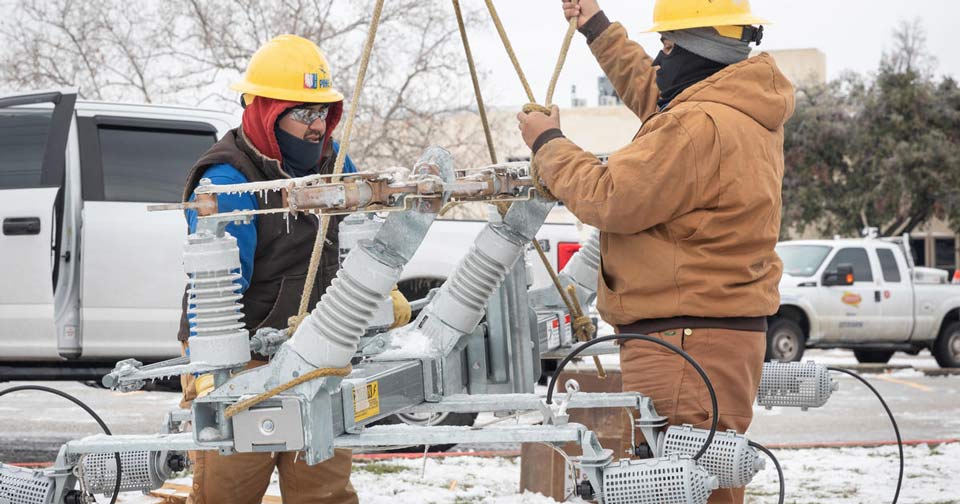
(679, 70)
(300, 157)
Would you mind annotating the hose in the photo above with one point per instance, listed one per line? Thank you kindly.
(643, 337)
(893, 421)
(776, 463)
(88, 409)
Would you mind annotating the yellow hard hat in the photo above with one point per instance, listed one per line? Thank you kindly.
(670, 15)
(289, 68)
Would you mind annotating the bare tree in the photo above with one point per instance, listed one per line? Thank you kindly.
(909, 54)
(188, 51)
(95, 44)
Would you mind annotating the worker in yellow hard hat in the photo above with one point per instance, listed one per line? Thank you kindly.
(689, 211)
(290, 111)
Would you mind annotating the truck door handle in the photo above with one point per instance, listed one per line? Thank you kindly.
(876, 296)
(14, 226)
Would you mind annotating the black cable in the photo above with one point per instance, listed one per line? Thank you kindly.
(776, 464)
(896, 429)
(88, 409)
(643, 337)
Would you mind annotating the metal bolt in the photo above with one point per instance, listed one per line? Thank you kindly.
(267, 426)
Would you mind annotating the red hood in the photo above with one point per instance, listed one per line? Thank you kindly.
(260, 116)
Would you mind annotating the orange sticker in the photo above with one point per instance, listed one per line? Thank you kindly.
(852, 299)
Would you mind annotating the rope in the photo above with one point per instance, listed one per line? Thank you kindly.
(476, 82)
(582, 325)
(538, 183)
(259, 398)
(294, 322)
(564, 49)
(506, 45)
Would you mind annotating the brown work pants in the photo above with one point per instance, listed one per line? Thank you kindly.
(243, 478)
(732, 360)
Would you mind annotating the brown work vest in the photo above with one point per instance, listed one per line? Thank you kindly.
(282, 256)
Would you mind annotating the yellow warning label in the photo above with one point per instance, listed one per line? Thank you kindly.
(366, 401)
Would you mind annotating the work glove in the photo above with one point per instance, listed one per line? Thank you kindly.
(401, 308)
(203, 384)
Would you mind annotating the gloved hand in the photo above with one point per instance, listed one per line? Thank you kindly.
(203, 384)
(584, 8)
(532, 124)
(401, 308)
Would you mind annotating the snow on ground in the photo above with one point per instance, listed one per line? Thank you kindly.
(836, 476)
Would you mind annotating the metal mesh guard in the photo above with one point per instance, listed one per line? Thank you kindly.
(671, 480)
(139, 472)
(794, 384)
(23, 486)
(730, 457)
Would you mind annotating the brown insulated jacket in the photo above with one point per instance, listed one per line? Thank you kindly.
(689, 212)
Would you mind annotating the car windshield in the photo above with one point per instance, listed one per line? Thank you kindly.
(802, 260)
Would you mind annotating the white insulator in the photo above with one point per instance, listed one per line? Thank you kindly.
(463, 298)
(139, 471)
(590, 250)
(730, 457)
(795, 384)
(585, 264)
(25, 486)
(218, 336)
(667, 480)
(330, 336)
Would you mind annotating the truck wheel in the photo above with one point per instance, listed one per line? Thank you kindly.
(785, 341)
(873, 356)
(947, 347)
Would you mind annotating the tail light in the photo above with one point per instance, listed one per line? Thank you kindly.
(565, 251)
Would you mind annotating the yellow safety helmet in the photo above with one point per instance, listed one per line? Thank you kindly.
(289, 68)
(727, 16)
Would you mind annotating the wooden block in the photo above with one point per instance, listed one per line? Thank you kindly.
(172, 493)
(542, 470)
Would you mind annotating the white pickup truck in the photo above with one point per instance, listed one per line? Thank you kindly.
(88, 276)
(865, 295)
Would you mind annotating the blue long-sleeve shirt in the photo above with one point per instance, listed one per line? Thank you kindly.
(246, 234)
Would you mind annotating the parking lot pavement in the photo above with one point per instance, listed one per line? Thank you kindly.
(33, 425)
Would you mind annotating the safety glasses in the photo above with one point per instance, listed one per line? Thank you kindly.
(307, 116)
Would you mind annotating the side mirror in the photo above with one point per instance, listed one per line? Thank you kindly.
(843, 276)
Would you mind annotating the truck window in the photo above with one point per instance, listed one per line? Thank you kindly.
(23, 140)
(857, 257)
(802, 260)
(918, 247)
(888, 263)
(148, 165)
(945, 254)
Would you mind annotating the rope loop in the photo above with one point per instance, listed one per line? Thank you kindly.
(246, 404)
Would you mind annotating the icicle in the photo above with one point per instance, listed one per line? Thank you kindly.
(286, 219)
